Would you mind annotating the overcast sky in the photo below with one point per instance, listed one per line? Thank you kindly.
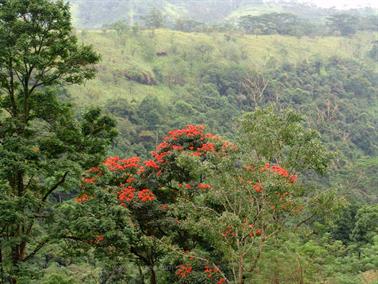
(343, 4)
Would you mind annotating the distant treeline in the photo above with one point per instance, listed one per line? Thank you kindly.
(266, 24)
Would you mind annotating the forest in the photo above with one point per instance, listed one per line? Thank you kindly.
(170, 141)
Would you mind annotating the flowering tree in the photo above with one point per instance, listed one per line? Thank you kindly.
(203, 205)
(253, 199)
(147, 190)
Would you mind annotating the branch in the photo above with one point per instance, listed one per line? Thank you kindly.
(36, 250)
(304, 221)
(141, 257)
(74, 238)
(60, 182)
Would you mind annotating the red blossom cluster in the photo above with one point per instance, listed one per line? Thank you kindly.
(210, 271)
(192, 139)
(229, 232)
(146, 195)
(132, 175)
(82, 198)
(258, 187)
(89, 180)
(183, 270)
(280, 171)
(117, 164)
(293, 179)
(207, 147)
(160, 157)
(255, 232)
(95, 170)
(204, 186)
(127, 194)
(188, 131)
(151, 164)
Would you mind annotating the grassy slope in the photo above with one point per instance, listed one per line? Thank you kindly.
(129, 52)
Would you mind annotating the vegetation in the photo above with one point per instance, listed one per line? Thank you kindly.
(119, 178)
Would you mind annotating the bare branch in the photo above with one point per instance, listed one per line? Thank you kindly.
(60, 182)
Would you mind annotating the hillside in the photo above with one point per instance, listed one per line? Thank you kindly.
(178, 78)
(128, 53)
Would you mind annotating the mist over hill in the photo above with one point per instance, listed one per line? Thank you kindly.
(96, 13)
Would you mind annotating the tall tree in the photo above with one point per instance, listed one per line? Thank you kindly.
(43, 148)
(344, 24)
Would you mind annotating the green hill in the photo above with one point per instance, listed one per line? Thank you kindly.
(155, 80)
(129, 53)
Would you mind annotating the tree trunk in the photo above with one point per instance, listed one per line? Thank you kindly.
(241, 270)
(153, 279)
(1, 266)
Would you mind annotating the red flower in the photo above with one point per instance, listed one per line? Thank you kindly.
(94, 170)
(188, 131)
(177, 147)
(195, 154)
(210, 271)
(183, 270)
(212, 136)
(188, 186)
(221, 281)
(293, 178)
(89, 180)
(279, 170)
(207, 147)
(151, 164)
(82, 198)
(257, 187)
(160, 156)
(130, 179)
(229, 146)
(258, 232)
(146, 195)
(126, 194)
(229, 232)
(99, 238)
(140, 170)
(204, 186)
(118, 164)
(163, 145)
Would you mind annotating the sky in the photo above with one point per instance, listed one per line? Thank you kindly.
(343, 4)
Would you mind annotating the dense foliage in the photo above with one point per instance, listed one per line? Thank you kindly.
(286, 193)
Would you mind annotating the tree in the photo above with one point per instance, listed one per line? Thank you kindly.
(155, 19)
(281, 23)
(252, 201)
(373, 52)
(43, 148)
(148, 189)
(344, 24)
(279, 137)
